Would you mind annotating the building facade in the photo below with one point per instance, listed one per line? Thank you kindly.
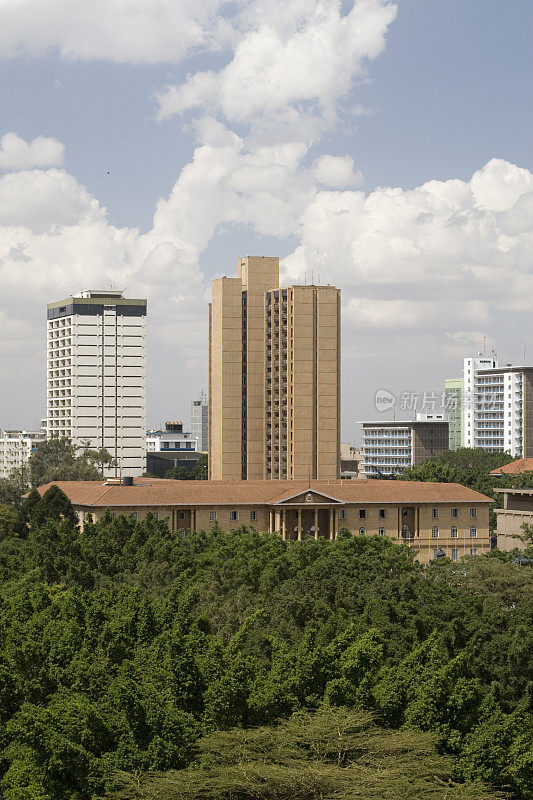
(431, 518)
(498, 407)
(389, 448)
(171, 439)
(199, 422)
(517, 511)
(16, 447)
(274, 377)
(96, 375)
(453, 402)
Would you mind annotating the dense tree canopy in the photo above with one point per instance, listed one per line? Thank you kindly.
(59, 460)
(124, 646)
(197, 473)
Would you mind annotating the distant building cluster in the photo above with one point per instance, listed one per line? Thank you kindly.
(272, 413)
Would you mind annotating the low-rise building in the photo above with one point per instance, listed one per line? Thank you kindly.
(171, 439)
(429, 517)
(16, 447)
(517, 510)
(391, 447)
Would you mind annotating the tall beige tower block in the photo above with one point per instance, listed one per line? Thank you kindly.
(274, 377)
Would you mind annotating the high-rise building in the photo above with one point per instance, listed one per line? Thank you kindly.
(96, 375)
(199, 421)
(391, 447)
(274, 377)
(16, 447)
(453, 401)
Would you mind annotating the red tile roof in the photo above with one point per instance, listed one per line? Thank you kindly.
(515, 467)
(161, 492)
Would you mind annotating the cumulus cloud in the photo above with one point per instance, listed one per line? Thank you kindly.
(291, 64)
(446, 253)
(337, 172)
(16, 153)
(136, 31)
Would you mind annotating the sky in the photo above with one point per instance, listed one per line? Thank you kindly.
(385, 146)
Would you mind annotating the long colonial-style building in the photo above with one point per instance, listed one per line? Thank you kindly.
(434, 518)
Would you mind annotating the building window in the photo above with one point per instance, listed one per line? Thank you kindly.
(382, 513)
(381, 531)
(435, 513)
(455, 512)
(434, 532)
(453, 532)
(473, 532)
(362, 513)
(455, 553)
(406, 533)
(435, 554)
(181, 515)
(473, 551)
(473, 512)
(342, 513)
(253, 516)
(362, 531)
(233, 515)
(212, 516)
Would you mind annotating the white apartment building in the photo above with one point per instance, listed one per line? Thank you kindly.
(15, 449)
(172, 439)
(96, 375)
(199, 422)
(498, 407)
(391, 447)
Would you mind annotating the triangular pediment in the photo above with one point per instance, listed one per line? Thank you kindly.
(309, 497)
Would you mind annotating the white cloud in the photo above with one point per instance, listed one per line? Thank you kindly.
(124, 31)
(16, 153)
(337, 172)
(291, 64)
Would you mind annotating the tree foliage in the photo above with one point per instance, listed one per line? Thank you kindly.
(197, 473)
(58, 460)
(133, 657)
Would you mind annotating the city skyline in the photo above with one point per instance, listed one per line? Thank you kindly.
(407, 96)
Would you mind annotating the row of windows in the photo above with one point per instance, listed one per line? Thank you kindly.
(453, 532)
(454, 512)
(233, 516)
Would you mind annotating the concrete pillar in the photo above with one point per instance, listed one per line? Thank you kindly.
(277, 522)
(299, 523)
(270, 526)
(284, 525)
(331, 532)
(316, 524)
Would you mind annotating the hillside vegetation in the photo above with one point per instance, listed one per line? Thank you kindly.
(137, 663)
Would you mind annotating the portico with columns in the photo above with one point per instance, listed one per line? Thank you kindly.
(305, 515)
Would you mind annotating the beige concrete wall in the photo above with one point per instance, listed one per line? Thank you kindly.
(258, 275)
(328, 381)
(225, 373)
(510, 525)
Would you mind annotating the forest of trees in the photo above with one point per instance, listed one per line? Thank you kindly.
(136, 663)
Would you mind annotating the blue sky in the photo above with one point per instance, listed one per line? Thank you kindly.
(444, 89)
